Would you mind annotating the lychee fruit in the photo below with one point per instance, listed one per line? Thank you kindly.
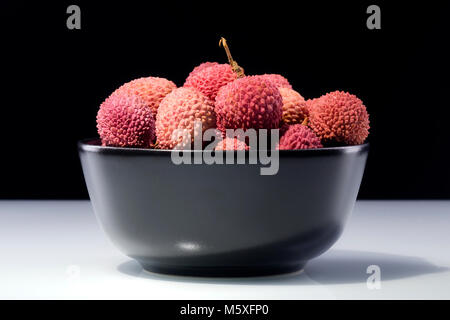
(248, 102)
(231, 144)
(299, 136)
(339, 117)
(151, 89)
(202, 66)
(182, 109)
(294, 106)
(125, 120)
(278, 80)
(208, 80)
(310, 103)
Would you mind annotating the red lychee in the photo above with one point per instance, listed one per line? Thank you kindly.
(248, 102)
(294, 106)
(125, 120)
(179, 110)
(278, 80)
(339, 117)
(231, 144)
(151, 89)
(209, 79)
(299, 136)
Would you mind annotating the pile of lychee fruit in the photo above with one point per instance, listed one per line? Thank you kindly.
(144, 113)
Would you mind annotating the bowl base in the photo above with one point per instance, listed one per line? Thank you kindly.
(253, 271)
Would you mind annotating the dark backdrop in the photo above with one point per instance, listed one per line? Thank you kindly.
(53, 79)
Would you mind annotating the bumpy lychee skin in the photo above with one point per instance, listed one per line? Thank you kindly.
(208, 80)
(151, 89)
(125, 120)
(180, 109)
(299, 136)
(248, 103)
(231, 144)
(294, 106)
(278, 80)
(310, 103)
(202, 66)
(339, 117)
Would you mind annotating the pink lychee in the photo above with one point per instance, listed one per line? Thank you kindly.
(231, 144)
(209, 79)
(248, 102)
(299, 136)
(125, 120)
(202, 66)
(182, 109)
(151, 89)
(278, 80)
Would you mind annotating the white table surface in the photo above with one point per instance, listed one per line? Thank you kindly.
(56, 250)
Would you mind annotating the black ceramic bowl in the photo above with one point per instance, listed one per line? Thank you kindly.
(222, 220)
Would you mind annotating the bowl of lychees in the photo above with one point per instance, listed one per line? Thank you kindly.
(229, 174)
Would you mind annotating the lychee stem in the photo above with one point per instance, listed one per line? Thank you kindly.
(305, 122)
(234, 66)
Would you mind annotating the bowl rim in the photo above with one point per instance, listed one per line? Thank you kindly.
(88, 146)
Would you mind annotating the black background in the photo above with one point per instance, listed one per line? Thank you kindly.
(53, 79)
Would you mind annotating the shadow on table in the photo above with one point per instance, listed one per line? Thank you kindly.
(334, 267)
